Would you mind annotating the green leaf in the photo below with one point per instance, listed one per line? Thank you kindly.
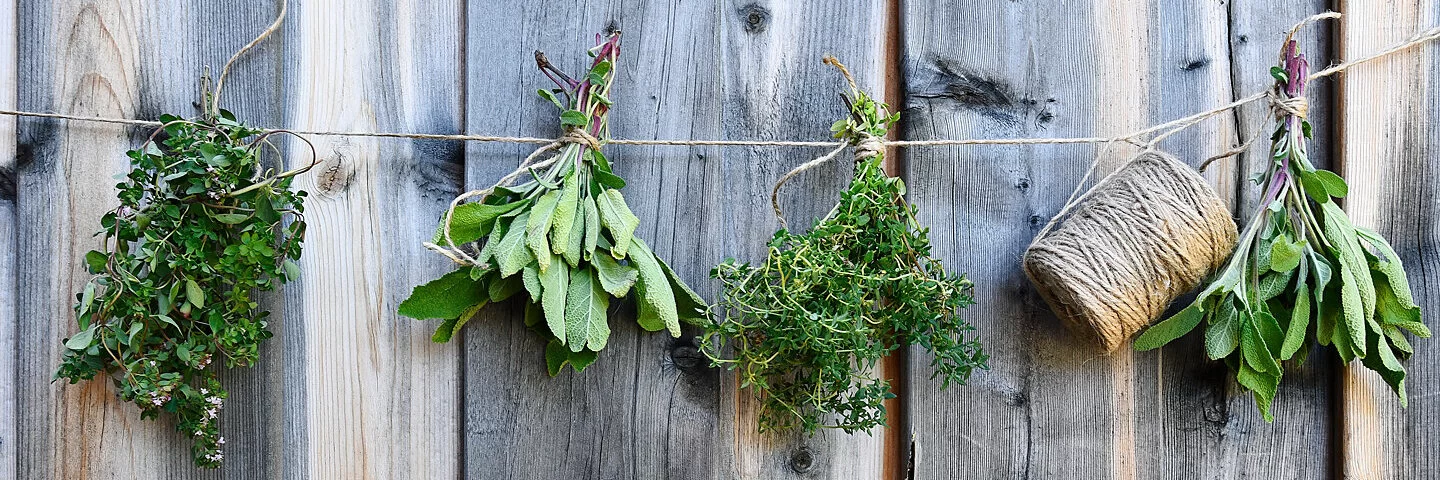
(592, 226)
(538, 227)
(564, 222)
(447, 329)
(87, 298)
(1171, 328)
(1263, 384)
(573, 118)
(548, 95)
(512, 254)
(230, 218)
(501, 289)
(555, 283)
(1389, 368)
(1299, 324)
(557, 356)
(585, 307)
(530, 277)
(1314, 187)
(688, 304)
(168, 321)
(657, 300)
(471, 221)
(1270, 332)
(1284, 255)
(96, 261)
(1333, 184)
(1223, 335)
(292, 271)
(616, 217)
(1252, 345)
(616, 279)
(445, 297)
(194, 294)
(604, 177)
(81, 340)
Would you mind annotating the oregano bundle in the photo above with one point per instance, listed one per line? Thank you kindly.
(200, 228)
(1302, 273)
(565, 238)
(808, 325)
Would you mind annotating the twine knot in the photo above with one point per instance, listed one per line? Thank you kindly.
(868, 146)
(1283, 105)
(578, 136)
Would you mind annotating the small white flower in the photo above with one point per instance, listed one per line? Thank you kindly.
(204, 391)
(221, 441)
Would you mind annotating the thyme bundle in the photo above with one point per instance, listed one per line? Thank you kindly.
(200, 227)
(565, 238)
(1302, 273)
(808, 325)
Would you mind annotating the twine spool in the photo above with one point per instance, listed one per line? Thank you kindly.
(1147, 234)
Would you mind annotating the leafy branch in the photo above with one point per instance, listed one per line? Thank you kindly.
(809, 324)
(1302, 273)
(565, 238)
(200, 227)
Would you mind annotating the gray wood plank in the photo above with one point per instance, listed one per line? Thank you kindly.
(8, 276)
(650, 407)
(1387, 152)
(379, 400)
(1052, 406)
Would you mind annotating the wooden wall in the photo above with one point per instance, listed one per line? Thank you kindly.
(349, 389)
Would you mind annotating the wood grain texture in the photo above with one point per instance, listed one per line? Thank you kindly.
(379, 398)
(650, 406)
(1052, 406)
(8, 275)
(1389, 141)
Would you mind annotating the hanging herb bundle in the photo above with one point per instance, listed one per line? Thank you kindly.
(1302, 272)
(565, 238)
(808, 325)
(200, 227)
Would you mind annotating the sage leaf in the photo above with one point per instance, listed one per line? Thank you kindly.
(445, 297)
(566, 208)
(1170, 329)
(555, 283)
(585, 307)
(512, 254)
(617, 218)
(657, 300)
(538, 227)
(615, 278)
(471, 221)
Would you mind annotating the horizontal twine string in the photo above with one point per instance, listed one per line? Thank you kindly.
(1174, 125)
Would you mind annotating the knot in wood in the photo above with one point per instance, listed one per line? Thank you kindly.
(802, 461)
(336, 175)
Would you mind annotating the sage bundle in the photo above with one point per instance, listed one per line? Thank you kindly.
(808, 325)
(565, 238)
(201, 226)
(1303, 273)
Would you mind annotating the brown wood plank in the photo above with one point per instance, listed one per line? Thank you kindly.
(1051, 405)
(1387, 149)
(650, 406)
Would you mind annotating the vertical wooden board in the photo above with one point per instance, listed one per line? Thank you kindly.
(8, 275)
(778, 88)
(651, 406)
(1303, 432)
(112, 59)
(1052, 405)
(1389, 141)
(379, 398)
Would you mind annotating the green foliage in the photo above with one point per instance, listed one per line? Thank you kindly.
(1302, 273)
(566, 239)
(200, 227)
(809, 324)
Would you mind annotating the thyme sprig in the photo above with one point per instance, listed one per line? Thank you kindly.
(808, 325)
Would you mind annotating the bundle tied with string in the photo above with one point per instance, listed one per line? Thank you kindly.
(1141, 238)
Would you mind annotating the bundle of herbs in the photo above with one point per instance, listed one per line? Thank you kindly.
(201, 226)
(809, 324)
(565, 238)
(1302, 272)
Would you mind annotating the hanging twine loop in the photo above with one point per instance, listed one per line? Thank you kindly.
(571, 136)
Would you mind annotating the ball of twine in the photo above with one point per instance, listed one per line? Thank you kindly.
(1147, 234)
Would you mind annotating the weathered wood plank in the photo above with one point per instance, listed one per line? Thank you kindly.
(8, 275)
(1052, 405)
(650, 406)
(379, 398)
(1388, 145)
